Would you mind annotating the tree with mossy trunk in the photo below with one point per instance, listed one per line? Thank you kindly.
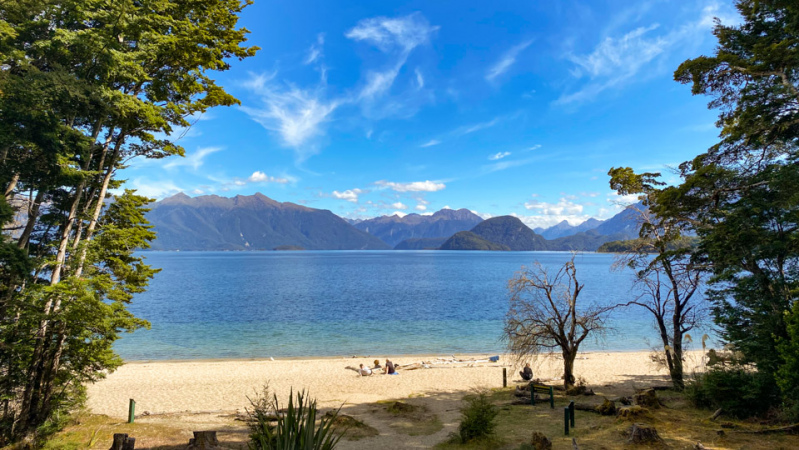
(85, 87)
(667, 279)
(544, 315)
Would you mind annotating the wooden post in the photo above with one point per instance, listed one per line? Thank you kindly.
(131, 410)
(504, 377)
(566, 421)
(532, 393)
(551, 398)
(571, 413)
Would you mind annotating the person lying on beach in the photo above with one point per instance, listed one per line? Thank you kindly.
(389, 370)
(527, 373)
(364, 371)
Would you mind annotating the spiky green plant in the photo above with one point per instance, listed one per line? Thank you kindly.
(294, 428)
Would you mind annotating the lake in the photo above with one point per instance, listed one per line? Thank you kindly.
(326, 303)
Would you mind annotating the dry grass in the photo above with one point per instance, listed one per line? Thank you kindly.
(679, 424)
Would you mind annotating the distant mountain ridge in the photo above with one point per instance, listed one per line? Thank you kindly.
(253, 222)
(442, 224)
(257, 222)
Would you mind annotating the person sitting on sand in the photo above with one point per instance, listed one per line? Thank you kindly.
(389, 370)
(377, 365)
(527, 373)
(364, 371)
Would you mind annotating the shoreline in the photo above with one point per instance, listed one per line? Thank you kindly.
(502, 354)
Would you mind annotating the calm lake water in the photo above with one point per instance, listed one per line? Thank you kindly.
(262, 304)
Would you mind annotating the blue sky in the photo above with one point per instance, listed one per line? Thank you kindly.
(372, 108)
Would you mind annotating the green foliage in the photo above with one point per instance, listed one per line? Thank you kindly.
(466, 240)
(788, 372)
(739, 392)
(478, 418)
(84, 87)
(292, 428)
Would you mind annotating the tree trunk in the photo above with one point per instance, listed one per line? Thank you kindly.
(568, 368)
(33, 214)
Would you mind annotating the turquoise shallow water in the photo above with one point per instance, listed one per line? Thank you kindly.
(261, 304)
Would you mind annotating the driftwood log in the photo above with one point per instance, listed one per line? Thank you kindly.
(606, 408)
(787, 429)
(716, 414)
(643, 434)
(123, 442)
(204, 440)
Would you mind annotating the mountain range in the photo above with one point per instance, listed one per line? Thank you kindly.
(256, 222)
(394, 229)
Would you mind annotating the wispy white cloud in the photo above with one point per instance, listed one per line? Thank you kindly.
(431, 143)
(419, 78)
(350, 195)
(397, 36)
(297, 115)
(399, 205)
(393, 33)
(499, 155)
(617, 60)
(415, 186)
(421, 207)
(260, 177)
(506, 61)
(315, 51)
(564, 207)
(194, 160)
(508, 164)
(477, 127)
(154, 189)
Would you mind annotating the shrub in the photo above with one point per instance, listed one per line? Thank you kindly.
(739, 392)
(477, 420)
(293, 428)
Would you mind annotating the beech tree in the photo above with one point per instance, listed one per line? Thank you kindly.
(84, 87)
(544, 315)
(741, 196)
(666, 277)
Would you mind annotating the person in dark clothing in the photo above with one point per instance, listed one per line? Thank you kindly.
(389, 369)
(527, 373)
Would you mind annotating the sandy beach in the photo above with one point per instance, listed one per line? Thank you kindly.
(203, 386)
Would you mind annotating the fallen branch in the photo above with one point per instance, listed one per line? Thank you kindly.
(788, 429)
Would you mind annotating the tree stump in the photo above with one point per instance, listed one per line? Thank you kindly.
(647, 398)
(540, 442)
(633, 413)
(204, 440)
(607, 408)
(644, 434)
(123, 442)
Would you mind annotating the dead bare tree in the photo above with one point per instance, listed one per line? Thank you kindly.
(544, 316)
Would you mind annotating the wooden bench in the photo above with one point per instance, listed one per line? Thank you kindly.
(542, 389)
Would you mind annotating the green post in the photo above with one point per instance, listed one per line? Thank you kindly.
(532, 393)
(504, 377)
(551, 398)
(571, 413)
(131, 410)
(566, 421)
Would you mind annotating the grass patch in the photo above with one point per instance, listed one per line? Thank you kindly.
(353, 429)
(679, 424)
(413, 420)
(94, 431)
